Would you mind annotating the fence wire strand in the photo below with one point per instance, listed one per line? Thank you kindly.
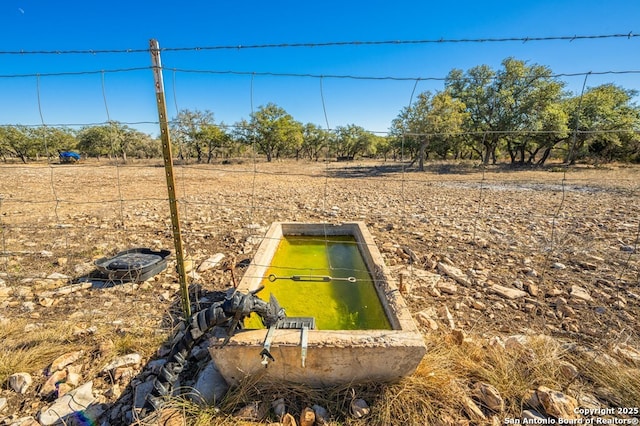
(570, 38)
(478, 217)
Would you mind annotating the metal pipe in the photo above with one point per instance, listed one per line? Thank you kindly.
(312, 278)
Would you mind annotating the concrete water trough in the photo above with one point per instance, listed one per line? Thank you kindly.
(377, 350)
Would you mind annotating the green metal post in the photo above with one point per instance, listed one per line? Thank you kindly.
(154, 48)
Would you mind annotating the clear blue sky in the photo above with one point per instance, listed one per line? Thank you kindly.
(34, 25)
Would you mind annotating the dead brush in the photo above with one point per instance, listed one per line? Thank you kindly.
(513, 370)
(32, 350)
(433, 393)
(439, 391)
(613, 382)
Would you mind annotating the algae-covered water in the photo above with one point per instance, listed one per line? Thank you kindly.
(324, 278)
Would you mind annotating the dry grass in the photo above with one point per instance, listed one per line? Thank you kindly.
(436, 394)
(616, 383)
(439, 391)
(595, 223)
(32, 350)
(32, 354)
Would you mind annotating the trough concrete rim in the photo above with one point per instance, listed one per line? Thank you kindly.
(356, 346)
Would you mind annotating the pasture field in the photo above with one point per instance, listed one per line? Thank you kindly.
(482, 254)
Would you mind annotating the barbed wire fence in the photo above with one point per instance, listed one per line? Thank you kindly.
(566, 241)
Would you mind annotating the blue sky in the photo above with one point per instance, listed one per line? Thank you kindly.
(48, 25)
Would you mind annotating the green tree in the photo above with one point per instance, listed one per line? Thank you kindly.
(384, 145)
(551, 128)
(4, 146)
(49, 141)
(112, 140)
(28, 142)
(604, 119)
(95, 141)
(503, 105)
(272, 131)
(352, 140)
(138, 144)
(315, 140)
(18, 142)
(60, 139)
(191, 131)
(476, 90)
(218, 141)
(433, 123)
(527, 98)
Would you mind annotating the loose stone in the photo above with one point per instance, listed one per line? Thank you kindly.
(64, 360)
(20, 382)
(508, 293)
(76, 400)
(489, 396)
(126, 360)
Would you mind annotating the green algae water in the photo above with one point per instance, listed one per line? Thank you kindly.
(313, 276)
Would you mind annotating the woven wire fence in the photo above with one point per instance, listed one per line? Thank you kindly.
(552, 251)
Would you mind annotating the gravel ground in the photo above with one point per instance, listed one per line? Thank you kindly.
(516, 251)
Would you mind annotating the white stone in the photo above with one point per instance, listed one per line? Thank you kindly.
(516, 342)
(629, 353)
(359, 408)
(28, 306)
(496, 343)
(125, 360)
(534, 417)
(478, 305)
(53, 383)
(426, 320)
(473, 411)
(57, 276)
(447, 287)
(20, 382)
(23, 421)
(4, 293)
(580, 293)
(210, 386)
(46, 302)
(418, 278)
(3, 404)
(78, 399)
(73, 378)
(568, 370)
(446, 314)
(508, 293)
(211, 262)
(23, 291)
(62, 291)
(453, 272)
(32, 327)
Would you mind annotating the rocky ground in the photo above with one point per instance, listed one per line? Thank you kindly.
(494, 252)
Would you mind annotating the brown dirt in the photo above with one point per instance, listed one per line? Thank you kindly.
(543, 231)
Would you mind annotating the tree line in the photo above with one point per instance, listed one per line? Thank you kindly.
(110, 140)
(519, 112)
(524, 113)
